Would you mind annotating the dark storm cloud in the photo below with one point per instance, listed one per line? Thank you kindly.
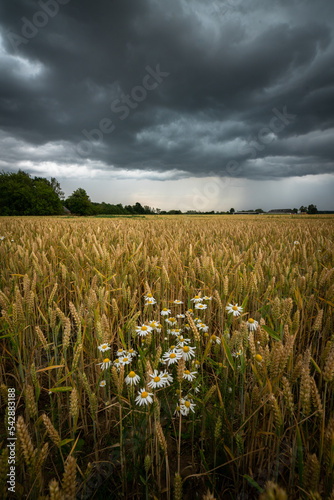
(245, 87)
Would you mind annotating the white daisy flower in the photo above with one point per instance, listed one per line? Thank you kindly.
(200, 306)
(197, 389)
(149, 296)
(187, 352)
(187, 327)
(171, 321)
(144, 397)
(196, 363)
(103, 383)
(180, 316)
(117, 363)
(171, 357)
(132, 353)
(215, 339)
(177, 411)
(238, 353)
(150, 302)
(207, 298)
(159, 328)
(104, 347)
(157, 380)
(186, 406)
(236, 310)
(182, 341)
(178, 301)
(154, 324)
(252, 324)
(121, 352)
(202, 327)
(132, 379)
(143, 330)
(191, 312)
(230, 389)
(296, 243)
(2, 238)
(165, 311)
(105, 364)
(166, 377)
(196, 299)
(190, 376)
(125, 361)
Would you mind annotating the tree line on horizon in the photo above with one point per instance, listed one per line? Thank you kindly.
(22, 194)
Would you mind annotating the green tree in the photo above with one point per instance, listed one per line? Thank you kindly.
(79, 203)
(232, 211)
(312, 209)
(303, 209)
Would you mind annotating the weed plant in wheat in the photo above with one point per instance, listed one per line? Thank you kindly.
(168, 357)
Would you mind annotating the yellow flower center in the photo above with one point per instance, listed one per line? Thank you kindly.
(125, 360)
(144, 328)
(120, 350)
(187, 404)
(106, 360)
(149, 295)
(177, 330)
(250, 320)
(214, 337)
(156, 379)
(187, 325)
(234, 308)
(160, 325)
(206, 334)
(116, 360)
(196, 297)
(144, 394)
(131, 351)
(190, 311)
(165, 309)
(187, 372)
(172, 319)
(132, 374)
(258, 357)
(178, 408)
(172, 356)
(104, 346)
(186, 348)
(172, 346)
(200, 306)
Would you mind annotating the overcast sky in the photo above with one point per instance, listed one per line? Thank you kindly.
(186, 104)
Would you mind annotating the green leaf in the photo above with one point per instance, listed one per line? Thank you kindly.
(228, 353)
(271, 332)
(61, 389)
(120, 333)
(253, 483)
(64, 441)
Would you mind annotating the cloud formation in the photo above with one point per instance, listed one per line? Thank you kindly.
(166, 91)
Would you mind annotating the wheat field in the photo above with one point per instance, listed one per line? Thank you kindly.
(168, 357)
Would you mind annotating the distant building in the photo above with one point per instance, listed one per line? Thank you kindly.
(247, 213)
(278, 211)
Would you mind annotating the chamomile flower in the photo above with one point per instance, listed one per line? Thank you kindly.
(144, 397)
(191, 312)
(143, 330)
(150, 299)
(171, 357)
(132, 353)
(252, 324)
(165, 311)
(236, 310)
(187, 352)
(200, 306)
(104, 347)
(202, 327)
(177, 410)
(215, 339)
(207, 298)
(166, 377)
(296, 243)
(159, 328)
(171, 321)
(150, 302)
(196, 363)
(103, 383)
(105, 364)
(258, 358)
(125, 361)
(132, 379)
(157, 380)
(197, 389)
(186, 406)
(178, 302)
(117, 363)
(121, 352)
(2, 238)
(196, 299)
(182, 341)
(154, 324)
(190, 376)
(237, 354)
(180, 316)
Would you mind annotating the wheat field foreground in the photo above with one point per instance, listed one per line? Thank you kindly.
(177, 357)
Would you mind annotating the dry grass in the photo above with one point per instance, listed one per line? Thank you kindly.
(263, 399)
